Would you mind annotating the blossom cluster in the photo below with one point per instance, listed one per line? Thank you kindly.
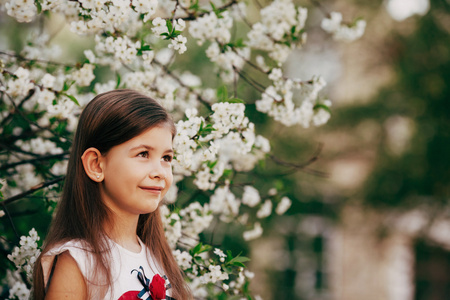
(24, 257)
(333, 24)
(278, 101)
(279, 20)
(228, 141)
(215, 270)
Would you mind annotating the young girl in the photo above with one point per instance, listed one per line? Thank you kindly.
(107, 240)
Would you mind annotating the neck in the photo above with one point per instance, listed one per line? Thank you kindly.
(122, 230)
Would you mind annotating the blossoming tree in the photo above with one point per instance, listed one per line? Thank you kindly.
(143, 45)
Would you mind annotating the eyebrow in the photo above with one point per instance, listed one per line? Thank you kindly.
(170, 150)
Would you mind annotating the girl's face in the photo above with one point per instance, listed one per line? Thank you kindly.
(138, 173)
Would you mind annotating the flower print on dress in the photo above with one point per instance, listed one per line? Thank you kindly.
(155, 288)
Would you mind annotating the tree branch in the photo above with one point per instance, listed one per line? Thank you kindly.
(250, 81)
(302, 165)
(30, 161)
(320, 7)
(8, 215)
(22, 58)
(16, 109)
(177, 79)
(31, 191)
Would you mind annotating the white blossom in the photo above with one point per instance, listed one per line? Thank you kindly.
(210, 27)
(283, 206)
(19, 291)
(24, 257)
(251, 196)
(48, 80)
(179, 44)
(21, 10)
(172, 226)
(183, 258)
(219, 252)
(254, 233)
(340, 31)
(224, 202)
(195, 218)
(159, 26)
(22, 85)
(265, 210)
(84, 76)
(215, 274)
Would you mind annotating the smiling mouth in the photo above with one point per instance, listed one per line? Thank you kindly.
(152, 189)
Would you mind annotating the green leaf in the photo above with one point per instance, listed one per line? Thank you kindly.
(241, 259)
(200, 248)
(194, 6)
(239, 43)
(279, 185)
(72, 98)
(213, 6)
(206, 130)
(212, 164)
(323, 106)
(118, 80)
(195, 250)
(146, 48)
(218, 12)
(238, 261)
(67, 85)
(235, 100)
(38, 6)
(205, 248)
(227, 173)
(169, 26)
(198, 260)
(293, 29)
(222, 93)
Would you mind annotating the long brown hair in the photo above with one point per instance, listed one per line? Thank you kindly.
(110, 119)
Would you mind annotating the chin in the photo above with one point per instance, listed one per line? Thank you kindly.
(149, 209)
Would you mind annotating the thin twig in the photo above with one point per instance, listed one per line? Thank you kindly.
(30, 94)
(23, 58)
(31, 190)
(30, 161)
(174, 12)
(8, 215)
(258, 4)
(177, 79)
(192, 17)
(13, 148)
(302, 165)
(235, 84)
(320, 7)
(250, 81)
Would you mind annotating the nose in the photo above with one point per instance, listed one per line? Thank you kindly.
(156, 170)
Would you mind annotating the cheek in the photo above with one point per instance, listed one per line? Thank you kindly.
(169, 178)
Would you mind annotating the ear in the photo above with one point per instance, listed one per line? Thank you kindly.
(92, 163)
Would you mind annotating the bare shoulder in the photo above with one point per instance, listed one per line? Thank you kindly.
(67, 281)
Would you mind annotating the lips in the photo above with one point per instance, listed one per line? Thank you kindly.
(154, 189)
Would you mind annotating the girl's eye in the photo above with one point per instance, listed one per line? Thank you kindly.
(167, 158)
(143, 154)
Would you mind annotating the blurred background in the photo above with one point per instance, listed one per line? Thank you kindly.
(376, 225)
(370, 217)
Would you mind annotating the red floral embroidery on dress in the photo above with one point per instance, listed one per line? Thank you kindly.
(130, 295)
(158, 288)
